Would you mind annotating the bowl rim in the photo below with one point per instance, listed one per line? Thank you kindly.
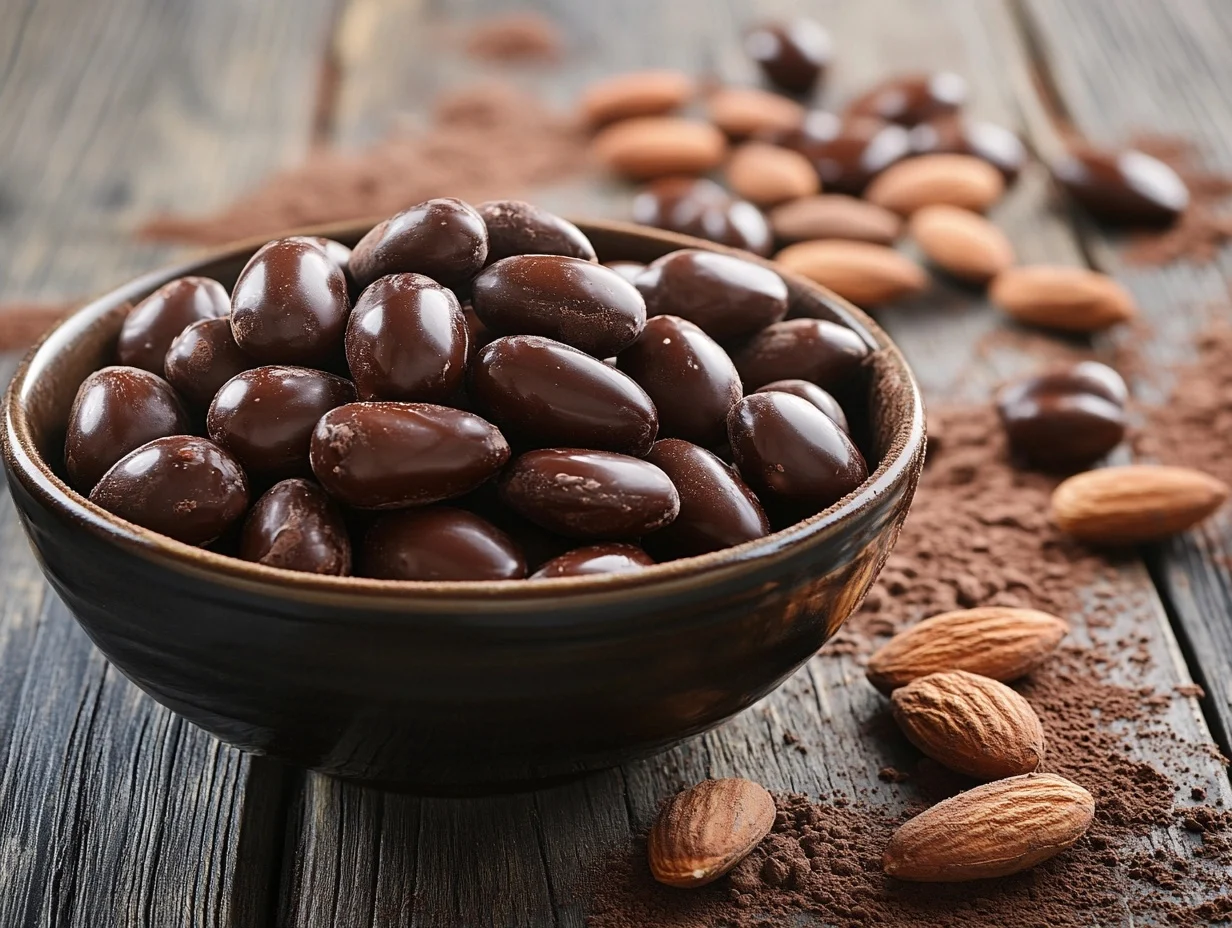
(906, 445)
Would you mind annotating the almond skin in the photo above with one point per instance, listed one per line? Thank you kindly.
(1072, 299)
(766, 174)
(833, 215)
(639, 93)
(993, 641)
(864, 273)
(706, 830)
(993, 830)
(971, 724)
(655, 146)
(1134, 504)
(961, 242)
(744, 111)
(953, 180)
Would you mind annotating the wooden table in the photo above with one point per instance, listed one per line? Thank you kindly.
(115, 812)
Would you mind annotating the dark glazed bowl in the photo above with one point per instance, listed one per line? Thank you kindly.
(453, 687)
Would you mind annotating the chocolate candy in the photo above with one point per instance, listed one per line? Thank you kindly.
(478, 334)
(202, 358)
(393, 455)
(335, 251)
(910, 99)
(265, 416)
(626, 269)
(116, 410)
(846, 153)
(793, 56)
(444, 239)
(590, 494)
(691, 380)
(717, 508)
(700, 207)
(184, 487)
(1128, 187)
(290, 305)
(610, 558)
(816, 350)
(407, 339)
(954, 135)
(577, 302)
(1066, 417)
(440, 543)
(791, 452)
(726, 297)
(814, 394)
(296, 526)
(154, 323)
(519, 228)
(544, 393)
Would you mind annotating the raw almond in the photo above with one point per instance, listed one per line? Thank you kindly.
(766, 174)
(993, 830)
(994, 641)
(655, 146)
(1136, 503)
(970, 723)
(954, 180)
(862, 272)
(706, 830)
(744, 111)
(1070, 298)
(833, 215)
(639, 93)
(961, 242)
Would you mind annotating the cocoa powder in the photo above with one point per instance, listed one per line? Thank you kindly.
(522, 38)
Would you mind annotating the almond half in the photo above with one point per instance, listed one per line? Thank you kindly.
(1072, 299)
(706, 830)
(1136, 503)
(961, 242)
(954, 180)
(993, 830)
(864, 273)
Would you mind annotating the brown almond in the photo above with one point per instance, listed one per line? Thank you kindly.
(744, 111)
(953, 180)
(655, 146)
(834, 215)
(766, 174)
(1073, 299)
(971, 724)
(961, 242)
(706, 830)
(993, 830)
(1136, 503)
(864, 273)
(639, 93)
(994, 641)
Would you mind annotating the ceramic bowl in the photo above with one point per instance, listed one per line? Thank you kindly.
(455, 687)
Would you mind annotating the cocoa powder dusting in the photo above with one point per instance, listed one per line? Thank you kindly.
(525, 38)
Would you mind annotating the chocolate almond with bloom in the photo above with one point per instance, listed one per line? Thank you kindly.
(516, 227)
(816, 350)
(202, 358)
(153, 324)
(444, 239)
(610, 558)
(296, 526)
(439, 544)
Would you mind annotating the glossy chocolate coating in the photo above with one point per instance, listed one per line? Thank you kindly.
(726, 297)
(202, 358)
(478, 334)
(814, 394)
(700, 207)
(265, 416)
(290, 305)
(790, 451)
(335, 251)
(440, 543)
(816, 350)
(577, 302)
(717, 508)
(626, 269)
(407, 339)
(953, 134)
(1066, 417)
(689, 377)
(394, 455)
(296, 526)
(543, 393)
(590, 494)
(444, 239)
(516, 227)
(910, 99)
(185, 487)
(1127, 187)
(154, 323)
(116, 410)
(793, 55)
(846, 153)
(610, 558)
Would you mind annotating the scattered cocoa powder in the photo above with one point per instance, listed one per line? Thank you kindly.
(525, 37)
(21, 323)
